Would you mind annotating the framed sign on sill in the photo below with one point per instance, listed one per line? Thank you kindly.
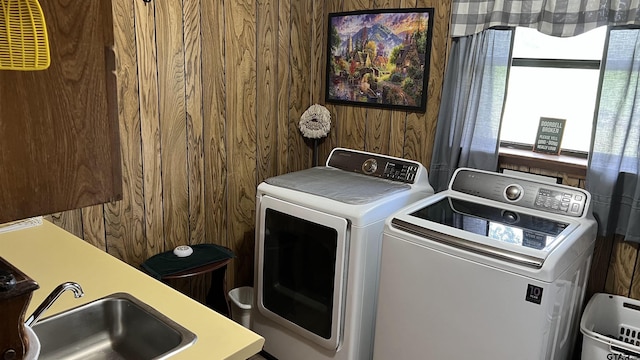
(549, 137)
(379, 58)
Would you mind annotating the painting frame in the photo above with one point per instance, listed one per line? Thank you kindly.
(379, 58)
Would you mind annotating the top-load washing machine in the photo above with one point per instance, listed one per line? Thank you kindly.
(494, 267)
(318, 234)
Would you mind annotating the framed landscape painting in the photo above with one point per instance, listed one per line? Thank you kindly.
(379, 58)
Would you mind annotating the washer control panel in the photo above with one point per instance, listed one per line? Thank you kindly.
(552, 198)
(376, 165)
(400, 171)
(559, 200)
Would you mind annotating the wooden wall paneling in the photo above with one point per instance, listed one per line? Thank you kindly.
(70, 220)
(283, 86)
(124, 220)
(318, 73)
(415, 137)
(194, 120)
(172, 110)
(214, 117)
(377, 132)
(621, 267)
(331, 141)
(150, 128)
(93, 226)
(600, 266)
(300, 93)
(195, 135)
(634, 292)
(240, 56)
(398, 133)
(352, 127)
(267, 87)
(318, 51)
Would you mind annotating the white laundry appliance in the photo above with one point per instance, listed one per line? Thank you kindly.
(494, 267)
(318, 235)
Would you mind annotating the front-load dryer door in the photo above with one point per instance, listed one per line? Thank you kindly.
(301, 269)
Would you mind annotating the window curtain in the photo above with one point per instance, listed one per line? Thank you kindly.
(551, 17)
(471, 108)
(612, 175)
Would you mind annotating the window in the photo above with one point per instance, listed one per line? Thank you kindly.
(552, 77)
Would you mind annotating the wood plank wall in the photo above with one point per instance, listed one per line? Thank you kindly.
(209, 97)
(210, 93)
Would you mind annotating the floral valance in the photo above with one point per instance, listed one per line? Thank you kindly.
(552, 17)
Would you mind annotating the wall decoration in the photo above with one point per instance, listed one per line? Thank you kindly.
(315, 124)
(379, 58)
(549, 137)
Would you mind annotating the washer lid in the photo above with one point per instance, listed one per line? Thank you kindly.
(339, 185)
(517, 237)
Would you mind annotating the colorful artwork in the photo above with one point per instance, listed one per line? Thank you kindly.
(379, 58)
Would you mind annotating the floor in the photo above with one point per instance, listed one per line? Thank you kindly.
(257, 357)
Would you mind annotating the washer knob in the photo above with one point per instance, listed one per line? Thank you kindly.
(509, 217)
(370, 166)
(513, 192)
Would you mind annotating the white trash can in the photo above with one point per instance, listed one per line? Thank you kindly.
(241, 300)
(611, 328)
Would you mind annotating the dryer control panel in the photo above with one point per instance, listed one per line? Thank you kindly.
(552, 198)
(375, 165)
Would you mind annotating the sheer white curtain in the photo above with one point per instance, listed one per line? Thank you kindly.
(471, 108)
(612, 175)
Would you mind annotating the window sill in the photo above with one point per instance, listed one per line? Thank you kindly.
(572, 166)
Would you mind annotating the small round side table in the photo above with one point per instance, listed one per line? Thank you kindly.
(216, 299)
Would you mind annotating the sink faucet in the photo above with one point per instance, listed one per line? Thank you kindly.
(55, 294)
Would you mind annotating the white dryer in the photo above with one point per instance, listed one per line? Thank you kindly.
(318, 235)
(494, 267)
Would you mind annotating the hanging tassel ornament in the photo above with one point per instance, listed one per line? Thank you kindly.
(315, 124)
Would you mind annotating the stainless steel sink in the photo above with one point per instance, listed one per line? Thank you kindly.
(118, 326)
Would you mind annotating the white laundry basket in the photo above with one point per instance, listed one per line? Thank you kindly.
(241, 299)
(611, 328)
